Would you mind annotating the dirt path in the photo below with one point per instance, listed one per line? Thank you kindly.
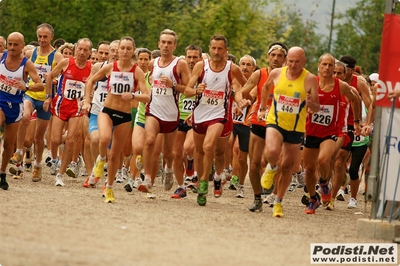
(45, 225)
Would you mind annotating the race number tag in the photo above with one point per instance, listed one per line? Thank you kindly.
(324, 116)
(101, 92)
(160, 89)
(214, 98)
(239, 118)
(121, 82)
(359, 139)
(43, 71)
(188, 105)
(74, 89)
(6, 85)
(287, 104)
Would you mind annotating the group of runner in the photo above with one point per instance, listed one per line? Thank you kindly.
(204, 115)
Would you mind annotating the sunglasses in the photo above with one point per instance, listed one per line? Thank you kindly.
(277, 47)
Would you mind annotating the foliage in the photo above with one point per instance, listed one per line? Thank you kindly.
(249, 25)
(360, 34)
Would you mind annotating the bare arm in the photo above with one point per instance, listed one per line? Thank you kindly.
(249, 90)
(353, 97)
(196, 72)
(61, 66)
(183, 72)
(30, 70)
(238, 75)
(103, 72)
(144, 96)
(311, 88)
(364, 91)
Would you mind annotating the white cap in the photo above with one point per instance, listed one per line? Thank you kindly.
(374, 77)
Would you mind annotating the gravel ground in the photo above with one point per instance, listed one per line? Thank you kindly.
(46, 225)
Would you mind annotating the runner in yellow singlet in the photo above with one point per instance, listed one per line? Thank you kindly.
(295, 92)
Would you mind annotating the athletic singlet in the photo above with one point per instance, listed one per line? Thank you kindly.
(71, 85)
(254, 116)
(140, 114)
(213, 103)
(100, 94)
(288, 107)
(325, 122)
(8, 92)
(44, 64)
(350, 118)
(121, 82)
(163, 99)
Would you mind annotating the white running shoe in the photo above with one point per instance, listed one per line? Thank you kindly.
(59, 180)
(72, 170)
(352, 204)
(169, 180)
(293, 184)
(53, 167)
(125, 173)
(270, 200)
(118, 177)
(340, 195)
(138, 181)
(240, 192)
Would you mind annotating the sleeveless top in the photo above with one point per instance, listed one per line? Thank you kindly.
(71, 85)
(288, 106)
(163, 99)
(254, 116)
(8, 92)
(100, 94)
(325, 122)
(213, 103)
(44, 65)
(121, 82)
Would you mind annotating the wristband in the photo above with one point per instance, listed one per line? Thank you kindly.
(356, 121)
(262, 109)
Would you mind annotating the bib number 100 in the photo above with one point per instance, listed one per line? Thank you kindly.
(121, 88)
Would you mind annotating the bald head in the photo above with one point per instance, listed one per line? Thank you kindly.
(298, 51)
(296, 59)
(15, 43)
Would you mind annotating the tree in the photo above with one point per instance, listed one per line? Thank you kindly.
(360, 35)
(249, 25)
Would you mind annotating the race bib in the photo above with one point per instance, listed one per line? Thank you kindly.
(101, 92)
(239, 118)
(214, 98)
(7, 85)
(359, 139)
(324, 116)
(187, 105)
(287, 104)
(43, 71)
(74, 89)
(121, 82)
(160, 89)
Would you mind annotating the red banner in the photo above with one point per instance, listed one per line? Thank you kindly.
(389, 64)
